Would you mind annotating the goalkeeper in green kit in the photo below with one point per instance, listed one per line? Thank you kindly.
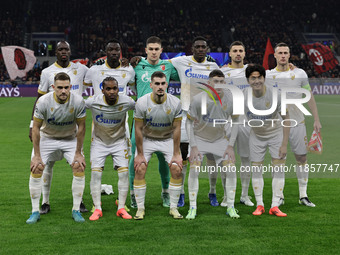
(144, 69)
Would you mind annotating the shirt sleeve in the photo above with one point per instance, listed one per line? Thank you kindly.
(174, 74)
(139, 113)
(88, 78)
(39, 110)
(192, 112)
(81, 111)
(132, 104)
(44, 83)
(305, 81)
(132, 79)
(89, 102)
(178, 112)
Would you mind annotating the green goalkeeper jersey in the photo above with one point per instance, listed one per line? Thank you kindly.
(144, 70)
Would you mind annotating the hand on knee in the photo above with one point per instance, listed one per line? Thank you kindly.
(140, 171)
(78, 169)
(37, 171)
(176, 171)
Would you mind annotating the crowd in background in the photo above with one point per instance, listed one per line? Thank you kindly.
(88, 24)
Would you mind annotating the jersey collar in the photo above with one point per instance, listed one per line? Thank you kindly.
(196, 61)
(56, 99)
(59, 66)
(109, 104)
(264, 92)
(281, 71)
(111, 67)
(230, 66)
(155, 101)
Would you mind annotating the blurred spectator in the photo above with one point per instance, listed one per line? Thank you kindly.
(89, 24)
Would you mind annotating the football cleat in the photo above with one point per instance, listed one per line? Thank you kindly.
(259, 210)
(213, 199)
(276, 211)
(82, 208)
(305, 201)
(232, 212)
(191, 214)
(139, 214)
(133, 201)
(35, 216)
(175, 213)
(166, 199)
(96, 215)
(76, 215)
(181, 201)
(246, 201)
(224, 202)
(45, 208)
(124, 214)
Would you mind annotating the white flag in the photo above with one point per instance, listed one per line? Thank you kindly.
(18, 60)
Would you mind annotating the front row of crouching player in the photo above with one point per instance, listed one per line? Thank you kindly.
(59, 128)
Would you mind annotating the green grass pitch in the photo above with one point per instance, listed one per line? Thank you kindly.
(305, 230)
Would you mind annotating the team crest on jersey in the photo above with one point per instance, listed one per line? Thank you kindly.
(124, 75)
(163, 67)
(189, 64)
(208, 67)
(224, 107)
(274, 76)
(120, 108)
(102, 73)
(52, 109)
(72, 110)
(228, 74)
(75, 72)
(267, 104)
(168, 111)
(100, 107)
(292, 77)
(149, 109)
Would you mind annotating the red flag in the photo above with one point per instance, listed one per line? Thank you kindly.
(268, 59)
(81, 61)
(18, 60)
(321, 56)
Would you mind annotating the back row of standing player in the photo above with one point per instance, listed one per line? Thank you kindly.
(185, 69)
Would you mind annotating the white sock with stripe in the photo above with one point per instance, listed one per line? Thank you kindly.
(95, 186)
(35, 184)
(123, 186)
(139, 187)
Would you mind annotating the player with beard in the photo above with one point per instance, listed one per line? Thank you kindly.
(77, 72)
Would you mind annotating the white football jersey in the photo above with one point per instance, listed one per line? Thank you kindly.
(296, 78)
(269, 128)
(59, 120)
(76, 71)
(236, 76)
(217, 114)
(97, 73)
(190, 72)
(158, 118)
(109, 120)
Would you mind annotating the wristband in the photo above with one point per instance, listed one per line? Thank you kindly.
(31, 124)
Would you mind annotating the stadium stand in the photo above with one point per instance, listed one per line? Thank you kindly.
(87, 25)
